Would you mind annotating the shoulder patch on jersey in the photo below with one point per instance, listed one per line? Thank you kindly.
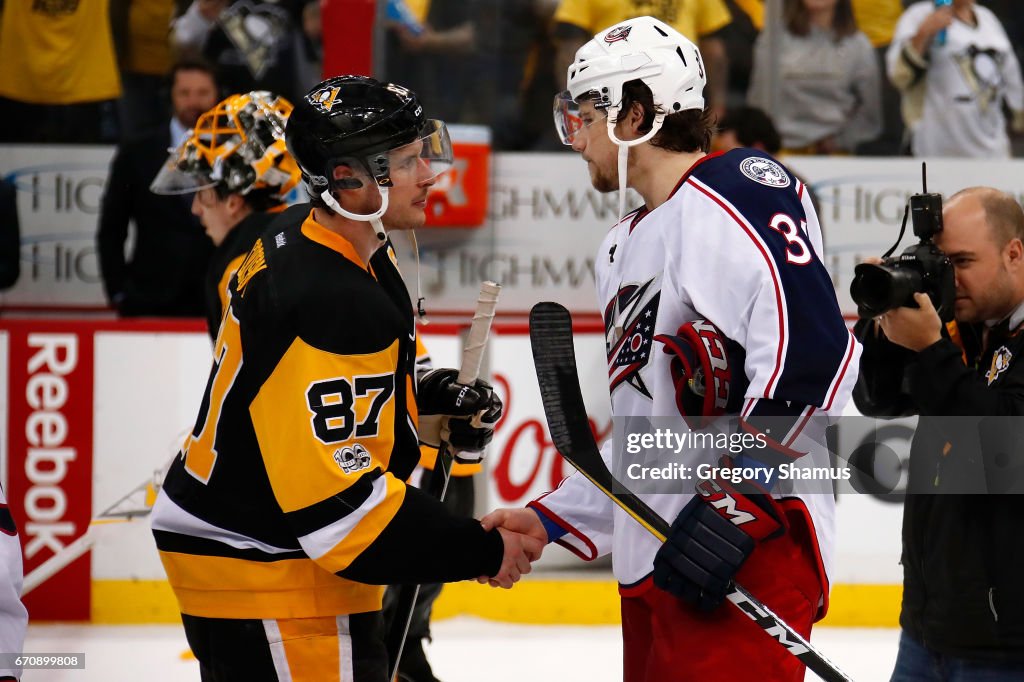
(279, 239)
(764, 171)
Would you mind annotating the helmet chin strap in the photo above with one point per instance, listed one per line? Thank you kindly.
(623, 159)
(373, 218)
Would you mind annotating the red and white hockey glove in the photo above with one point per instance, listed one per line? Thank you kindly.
(707, 370)
(712, 537)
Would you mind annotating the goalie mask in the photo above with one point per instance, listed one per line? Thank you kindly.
(642, 49)
(237, 147)
(358, 122)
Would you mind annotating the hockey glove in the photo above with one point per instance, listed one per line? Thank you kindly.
(712, 538)
(707, 370)
(462, 416)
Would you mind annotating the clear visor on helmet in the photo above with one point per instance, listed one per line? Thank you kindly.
(569, 120)
(184, 172)
(424, 159)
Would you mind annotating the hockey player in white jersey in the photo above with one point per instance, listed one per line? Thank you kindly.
(724, 254)
(13, 616)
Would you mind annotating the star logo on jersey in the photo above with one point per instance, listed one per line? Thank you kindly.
(352, 458)
(634, 311)
(765, 171)
(617, 34)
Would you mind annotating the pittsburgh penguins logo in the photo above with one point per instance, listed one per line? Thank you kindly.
(982, 71)
(352, 458)
(617, 34)
(1000, 363)
(634, 311)
(325, 99)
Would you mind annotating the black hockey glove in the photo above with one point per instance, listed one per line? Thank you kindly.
(707, 371)
(712, 538)
(462, 416)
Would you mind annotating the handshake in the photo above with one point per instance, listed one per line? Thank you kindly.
(524, 537)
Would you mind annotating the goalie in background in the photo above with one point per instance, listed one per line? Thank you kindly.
(287, 512)
(733, 240)
(236, 166)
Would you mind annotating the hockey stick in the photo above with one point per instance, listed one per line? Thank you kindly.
(555, 361)
(135, 505)
(472, 354)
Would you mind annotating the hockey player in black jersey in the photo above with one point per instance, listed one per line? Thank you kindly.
(235, 165)
(287, 511)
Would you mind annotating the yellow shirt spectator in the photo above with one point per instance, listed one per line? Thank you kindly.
(57, 52)
(692, 18)
(875, 18)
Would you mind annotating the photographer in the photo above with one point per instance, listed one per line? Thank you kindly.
(963, 597)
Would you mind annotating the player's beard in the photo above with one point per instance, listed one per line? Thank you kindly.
(602, 181)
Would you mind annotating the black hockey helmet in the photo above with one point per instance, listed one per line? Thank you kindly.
(348, 118)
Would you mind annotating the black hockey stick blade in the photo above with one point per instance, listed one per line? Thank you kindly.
(554, 358)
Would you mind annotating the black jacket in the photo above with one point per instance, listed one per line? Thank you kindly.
(164, 275)
(963, 562)
(10, 236)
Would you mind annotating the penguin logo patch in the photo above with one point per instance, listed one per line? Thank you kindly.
(1000, 363)
(326, 98)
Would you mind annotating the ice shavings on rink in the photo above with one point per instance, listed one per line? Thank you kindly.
(464, 650)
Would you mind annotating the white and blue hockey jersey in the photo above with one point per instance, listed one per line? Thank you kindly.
(738, 242)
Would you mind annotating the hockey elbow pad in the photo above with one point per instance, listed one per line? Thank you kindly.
(707, 371)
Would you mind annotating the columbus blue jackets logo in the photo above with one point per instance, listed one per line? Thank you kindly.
(352, 458)
(617, 34)
(764, 171)
(629, 333)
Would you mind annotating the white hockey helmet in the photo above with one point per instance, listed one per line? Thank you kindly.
(643, 49)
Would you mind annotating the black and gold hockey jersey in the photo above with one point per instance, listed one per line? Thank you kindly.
(288, 499)
(225, 261)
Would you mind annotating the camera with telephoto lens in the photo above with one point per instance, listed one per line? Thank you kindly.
(921, 268)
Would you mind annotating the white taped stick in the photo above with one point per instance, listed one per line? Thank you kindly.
(473, 352)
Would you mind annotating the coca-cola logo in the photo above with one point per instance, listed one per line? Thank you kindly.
(527, 463)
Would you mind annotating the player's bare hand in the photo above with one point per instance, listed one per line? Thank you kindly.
(913, 328)
(520, 520)
(516, 562)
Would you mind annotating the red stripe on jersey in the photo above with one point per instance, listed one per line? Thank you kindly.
(771, 267)
(842, 372)
(571, 529)
(800, 427)
(799, 190)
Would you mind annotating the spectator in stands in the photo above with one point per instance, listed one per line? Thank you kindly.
(513, 80)
(164, 275)
(877, 20)
(251, 44)
(10, 236)
(702, 21)
(144, 55)
(746, 127)
(829, 96)
(58, 74)
(236, 170)
(956, 69)
(430, 51)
